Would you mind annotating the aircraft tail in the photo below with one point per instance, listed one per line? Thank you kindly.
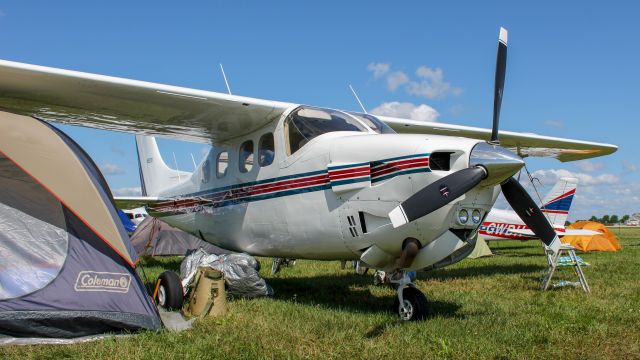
(155, 175)
(557, 202)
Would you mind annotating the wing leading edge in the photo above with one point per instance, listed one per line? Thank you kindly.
(140, 107)
(524, 144)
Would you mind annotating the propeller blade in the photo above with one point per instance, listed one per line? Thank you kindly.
(436, 195)
(501, 67)
(530, 213)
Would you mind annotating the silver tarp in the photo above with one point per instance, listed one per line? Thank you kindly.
(240, 272)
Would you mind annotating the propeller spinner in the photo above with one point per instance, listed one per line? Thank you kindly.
(489, 163)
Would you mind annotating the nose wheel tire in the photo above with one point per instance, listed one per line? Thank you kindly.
(414, 305)
(170, 295)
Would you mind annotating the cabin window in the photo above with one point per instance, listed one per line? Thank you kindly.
(374, 123)
(266, 150)
(222, 164)
(305, 123)
(206, 171)
(246, 156)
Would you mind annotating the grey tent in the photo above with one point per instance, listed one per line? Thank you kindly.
(154, 237)
(67, 265)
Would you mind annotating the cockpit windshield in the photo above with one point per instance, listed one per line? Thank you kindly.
(374, 123)
(305, 123)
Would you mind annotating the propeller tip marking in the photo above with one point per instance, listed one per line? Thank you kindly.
(503, 35)
(398, 217)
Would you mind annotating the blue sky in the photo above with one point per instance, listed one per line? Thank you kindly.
(572, 68)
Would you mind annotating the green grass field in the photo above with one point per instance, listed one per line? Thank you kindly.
(485, 308)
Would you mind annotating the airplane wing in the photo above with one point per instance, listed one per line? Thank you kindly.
(131, 202)
(146, 108)
(528, 232)
(140, 107)
(524, 144)
(569, 232)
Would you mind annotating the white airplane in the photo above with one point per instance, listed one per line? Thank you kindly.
(294, 181)
(506, 225)
(136, 215)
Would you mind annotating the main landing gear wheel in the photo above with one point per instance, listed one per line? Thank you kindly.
(410, 303)
(414, 305)
(170, 295)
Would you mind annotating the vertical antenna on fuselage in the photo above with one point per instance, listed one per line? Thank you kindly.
(225, 79)
(358, 99)
(176, 163)
(195, 167)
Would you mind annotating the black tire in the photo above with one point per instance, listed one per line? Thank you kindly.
(170, 295)
(417, 304)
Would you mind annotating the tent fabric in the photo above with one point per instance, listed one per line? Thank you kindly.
(481, 249)
(38, 149)
(606, 241)
(61, 276)
(154, 237)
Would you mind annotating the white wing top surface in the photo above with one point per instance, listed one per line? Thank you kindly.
(524, 144)
(140, 107)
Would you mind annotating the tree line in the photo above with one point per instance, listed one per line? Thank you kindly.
(610, 219)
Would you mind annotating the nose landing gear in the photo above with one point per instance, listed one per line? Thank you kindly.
(411, 304)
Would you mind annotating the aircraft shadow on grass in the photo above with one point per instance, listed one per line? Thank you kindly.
(349, 292)
(480, 270)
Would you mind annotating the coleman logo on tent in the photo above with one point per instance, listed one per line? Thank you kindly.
(102, 281)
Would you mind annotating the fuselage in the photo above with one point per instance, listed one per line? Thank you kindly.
(327, 199)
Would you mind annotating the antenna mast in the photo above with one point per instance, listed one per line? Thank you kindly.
(358, 99)
(225, 79)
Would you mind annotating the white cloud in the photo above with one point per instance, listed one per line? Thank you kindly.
(549, 177)
(554, 123)
(432, 84)
(127, 191)
(396, 79)
(589, 166)
(599, 195)
(629, 167)
(111, 169)
(378, 69)
(407, 110)
(429, 82)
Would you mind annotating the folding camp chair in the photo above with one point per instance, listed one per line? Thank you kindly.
(555, 260)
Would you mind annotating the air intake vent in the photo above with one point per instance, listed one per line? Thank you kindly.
(440, 161)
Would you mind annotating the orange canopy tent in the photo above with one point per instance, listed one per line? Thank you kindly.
(607, 241)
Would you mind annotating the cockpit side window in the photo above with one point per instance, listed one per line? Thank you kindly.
(305, 123)
(374, 123)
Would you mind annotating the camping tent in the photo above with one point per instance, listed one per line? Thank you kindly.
(67, 267)
(606, 241)
(154, 237)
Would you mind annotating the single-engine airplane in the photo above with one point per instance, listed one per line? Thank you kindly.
(295, 181)
(506, 225)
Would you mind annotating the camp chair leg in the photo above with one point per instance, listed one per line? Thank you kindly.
(578, 270)
(546, 281)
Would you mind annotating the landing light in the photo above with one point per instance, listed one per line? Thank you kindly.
(463, 216)
(476, 216)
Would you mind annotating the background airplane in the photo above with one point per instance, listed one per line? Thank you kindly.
(506, 225)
